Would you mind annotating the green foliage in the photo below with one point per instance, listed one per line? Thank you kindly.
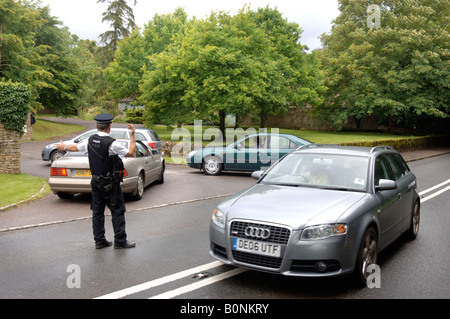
(121, 18)
(131, 59)
(14, 105)
(398, 71)
(134, 115)
(406, 144)
(35, 49)
(250, 63)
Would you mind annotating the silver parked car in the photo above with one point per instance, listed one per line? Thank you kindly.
(149, 137)
(320, 211)
(70, 174)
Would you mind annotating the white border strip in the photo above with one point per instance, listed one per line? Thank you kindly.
(3, 230)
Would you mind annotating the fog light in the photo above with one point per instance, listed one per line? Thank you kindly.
(321, 266)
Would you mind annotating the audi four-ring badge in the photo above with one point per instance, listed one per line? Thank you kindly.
(321, 210)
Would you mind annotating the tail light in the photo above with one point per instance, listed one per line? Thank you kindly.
(152, 145)
(54, 171)
(124, 173)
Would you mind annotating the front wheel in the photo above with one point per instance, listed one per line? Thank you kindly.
(56, 155)
(367, 255)
(139, 191)
(415, 221)
(212, 166)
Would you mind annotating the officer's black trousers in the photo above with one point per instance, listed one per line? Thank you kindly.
(100, 199)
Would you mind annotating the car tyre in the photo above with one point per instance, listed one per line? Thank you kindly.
(56, 155)
(161, 175)
(139, 191)
(65, 195)
(367, 255)
(212, 165)
(415, 222)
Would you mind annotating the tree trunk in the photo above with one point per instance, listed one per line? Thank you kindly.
(391, 126)
(222, 116)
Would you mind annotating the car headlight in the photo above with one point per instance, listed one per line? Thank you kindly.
(323, 231)
(218, 218)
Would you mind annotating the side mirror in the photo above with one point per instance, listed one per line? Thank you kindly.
(257, 174)
(385, 184)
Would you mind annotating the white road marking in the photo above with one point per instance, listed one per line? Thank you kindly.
(423, 200)
(160, 281)
(205, 282)
(434, 187)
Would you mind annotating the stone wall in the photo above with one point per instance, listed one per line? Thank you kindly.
(295, 118)
(9, 151)
(28, 131)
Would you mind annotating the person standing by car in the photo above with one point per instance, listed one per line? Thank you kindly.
(105, 157)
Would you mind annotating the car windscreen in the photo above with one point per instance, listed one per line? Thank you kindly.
(330, 171)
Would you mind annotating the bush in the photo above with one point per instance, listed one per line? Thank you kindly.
(14, 105)
(407, 144)
(135, 115)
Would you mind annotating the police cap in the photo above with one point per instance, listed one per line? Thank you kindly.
(104, 118)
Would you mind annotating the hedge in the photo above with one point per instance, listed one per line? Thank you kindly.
(14, 105)
(408, 144)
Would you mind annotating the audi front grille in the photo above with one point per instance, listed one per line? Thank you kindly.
(278, 235)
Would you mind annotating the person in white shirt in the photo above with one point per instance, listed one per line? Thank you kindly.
(103, 152)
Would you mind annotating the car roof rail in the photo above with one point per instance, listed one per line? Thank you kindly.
(382, 147)
(315, 145)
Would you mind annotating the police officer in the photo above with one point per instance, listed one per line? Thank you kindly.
(103, 151)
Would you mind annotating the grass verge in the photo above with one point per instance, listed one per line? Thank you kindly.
(21, 187)
(45, 130)
(166, 134)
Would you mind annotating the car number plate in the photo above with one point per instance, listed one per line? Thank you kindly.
(257, 247)
(81, 173)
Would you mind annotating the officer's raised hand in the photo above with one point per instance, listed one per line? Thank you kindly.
(131, 128)
(132, 148)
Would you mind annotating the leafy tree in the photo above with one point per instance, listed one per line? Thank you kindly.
(61, 89)
(20, 57)
(121, 19)
(227, 64)
(399, 71)
(297, 79)
(131, 59)
(37, 50)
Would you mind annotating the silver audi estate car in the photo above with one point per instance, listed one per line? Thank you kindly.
(322, 210)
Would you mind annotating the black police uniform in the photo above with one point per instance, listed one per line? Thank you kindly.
(101, 165)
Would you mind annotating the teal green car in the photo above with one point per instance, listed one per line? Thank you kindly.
(250, 153)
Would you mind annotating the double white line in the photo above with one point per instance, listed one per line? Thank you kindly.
(182, 290)
(424, 199)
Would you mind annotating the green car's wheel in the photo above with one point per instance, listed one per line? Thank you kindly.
(212, 165)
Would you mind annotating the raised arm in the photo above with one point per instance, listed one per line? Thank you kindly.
(132, 148)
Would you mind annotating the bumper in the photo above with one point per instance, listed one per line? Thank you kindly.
(194, 162)
(46, 153)
(319, 258)
(83, 185)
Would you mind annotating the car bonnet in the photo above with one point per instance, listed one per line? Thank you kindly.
(296, 207)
